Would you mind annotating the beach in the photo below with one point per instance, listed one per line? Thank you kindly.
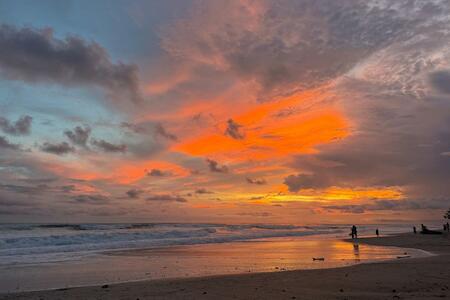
(405, 278)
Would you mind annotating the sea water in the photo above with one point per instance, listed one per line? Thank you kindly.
(43, 256)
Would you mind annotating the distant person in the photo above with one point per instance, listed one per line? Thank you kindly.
(354, 232)
(448, 227)
(377, 232)
(414, 229)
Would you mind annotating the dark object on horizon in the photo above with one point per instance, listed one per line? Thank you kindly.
(318, 258)
(377, 232)
(446, 227)
(414, 229)
(425, 230)
(354, 232)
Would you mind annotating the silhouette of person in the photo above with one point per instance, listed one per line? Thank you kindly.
(354, 232)
(414, 229)
(377, 232)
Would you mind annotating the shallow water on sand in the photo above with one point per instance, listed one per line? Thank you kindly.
(268, 255)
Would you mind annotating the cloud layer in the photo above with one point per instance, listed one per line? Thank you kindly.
(20, 127)
(295, 111)
(36, 56)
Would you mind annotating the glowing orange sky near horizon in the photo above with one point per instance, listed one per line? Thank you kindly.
(271, 134)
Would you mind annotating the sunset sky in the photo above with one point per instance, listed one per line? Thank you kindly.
(296, 111)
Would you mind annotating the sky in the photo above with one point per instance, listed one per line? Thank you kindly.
(243, 111)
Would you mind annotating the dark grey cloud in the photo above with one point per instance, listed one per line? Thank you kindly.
(150, 140)
(157, 173)
(392, 205)
(134, 193)
(68, 188)
(95, 199)
(258, 181)
(5, 144)
(136, 128)
(194, 172)
(17, 205)
(16, 211)
(215, 167)
(203, 191)
(20, 127)
(58, 149)
(233, 130)
(15, 200)
(6, 203)
(166, 198)
(35, 55)
(79, 135)
(41, 180)
(160, 130)
(298, 182)
(25, 189)
(109, 147)
(440, 80)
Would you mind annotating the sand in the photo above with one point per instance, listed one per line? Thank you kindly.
(416, 278)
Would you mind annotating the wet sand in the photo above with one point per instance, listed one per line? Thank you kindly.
(417, 278)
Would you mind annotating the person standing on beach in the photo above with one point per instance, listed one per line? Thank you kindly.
(414, 229)
(377, 232)
(354, 232)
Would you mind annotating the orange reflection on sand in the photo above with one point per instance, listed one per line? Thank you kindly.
(271, 255)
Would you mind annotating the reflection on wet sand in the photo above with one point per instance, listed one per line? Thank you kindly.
(272, 255)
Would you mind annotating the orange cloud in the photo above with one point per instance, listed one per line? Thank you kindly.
(131, 172)
(287, 126)
(270, 142)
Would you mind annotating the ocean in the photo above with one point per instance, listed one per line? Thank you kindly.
(48, 256)
(41, 243)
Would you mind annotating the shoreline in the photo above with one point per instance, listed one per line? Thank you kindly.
(419, 278)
